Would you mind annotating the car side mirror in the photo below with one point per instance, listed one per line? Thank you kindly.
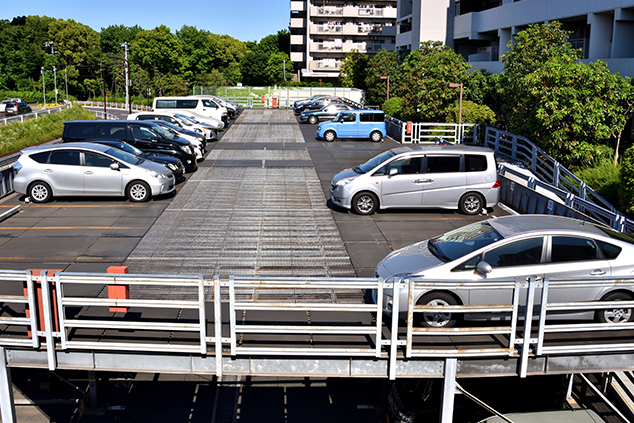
(114, 166)
(483, 267)
(393, 171)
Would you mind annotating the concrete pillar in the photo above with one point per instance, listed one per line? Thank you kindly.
(505, 35)
(600, 35)
(7, 404)
(622, 45)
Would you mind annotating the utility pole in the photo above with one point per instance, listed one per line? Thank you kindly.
(43, 86)
(66, 80)
(55, 79)
(127, 77)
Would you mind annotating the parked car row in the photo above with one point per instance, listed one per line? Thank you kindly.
(14, 106)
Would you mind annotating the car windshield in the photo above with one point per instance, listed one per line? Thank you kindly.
(184, 120)
(164, 132)
(124, 157)
(129, 149)
(462, 241)
(174, 128)
(374, 161)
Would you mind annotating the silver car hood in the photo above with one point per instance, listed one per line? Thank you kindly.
(346, 173)
(413, 259)
(151, 166)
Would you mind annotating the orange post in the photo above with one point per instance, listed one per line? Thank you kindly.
(39, 304)
(119, 292)
(408, 129)
(274, 102)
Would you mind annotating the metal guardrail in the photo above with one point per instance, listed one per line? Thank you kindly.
(188, 303)
(551, 176)
(32, 115)
(112, 105)
(427, 132)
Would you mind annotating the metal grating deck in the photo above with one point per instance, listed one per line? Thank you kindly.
(246, 221)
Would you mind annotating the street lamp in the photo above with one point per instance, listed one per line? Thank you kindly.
(460, 107)
(127, 71)
(388, 86)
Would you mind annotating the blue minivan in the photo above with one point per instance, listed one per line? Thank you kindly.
(354, 124)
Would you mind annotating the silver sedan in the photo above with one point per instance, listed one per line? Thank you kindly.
(88, 169)
(510, 247)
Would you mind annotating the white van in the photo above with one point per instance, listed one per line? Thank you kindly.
(202, 106)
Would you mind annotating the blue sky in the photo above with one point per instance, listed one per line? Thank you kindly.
(246, 20)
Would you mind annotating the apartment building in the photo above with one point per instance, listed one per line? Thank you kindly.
(481, 29)
(323, 31)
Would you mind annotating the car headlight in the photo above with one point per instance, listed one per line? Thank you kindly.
(344, 181)
(158, 175)
(198, 130)
(318, 128)
(172, 166)
(186, 149)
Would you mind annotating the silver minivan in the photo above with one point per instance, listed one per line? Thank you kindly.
(431, 176)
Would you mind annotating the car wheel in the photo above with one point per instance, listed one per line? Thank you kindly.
(40, 192)
(438, 319)
(471, 203)
(376, 136)
(330, 136)
(313, 120)
(138, 191)
(365, 203)
(615, 314)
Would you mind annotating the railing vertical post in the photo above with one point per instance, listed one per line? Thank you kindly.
(556, 173)
(396, 287)
(379, 317)
(514, 148)
(449, 389)
(7, 404)
(232, 315)
(542, 318)
(410, 317)
(202, 318)
(218, 325)
(49, 321)
(534, 159)
(528, 319)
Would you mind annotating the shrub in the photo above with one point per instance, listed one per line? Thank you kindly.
(18, 135)
(393, 107)
(604, 179)
(471, 113)
(626, 177)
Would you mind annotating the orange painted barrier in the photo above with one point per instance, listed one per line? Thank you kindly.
(119, 292)
(408, 129)
(39, 304)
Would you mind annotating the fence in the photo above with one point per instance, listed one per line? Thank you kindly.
(424, 132)
(174, 314)
(277, 97)
(549, 175)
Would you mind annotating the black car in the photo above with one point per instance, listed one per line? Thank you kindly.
(318, 104)
(170, 162)
(141, 135)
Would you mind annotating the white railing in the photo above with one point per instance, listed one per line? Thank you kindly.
(82, 312)
(428, 132)
(550, 175)
(33, 115)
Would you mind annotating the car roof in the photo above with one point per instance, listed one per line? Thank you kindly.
(112, 122)
(435, 148)
(67, 146)
(524, 224)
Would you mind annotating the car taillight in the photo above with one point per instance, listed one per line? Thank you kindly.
(496, 184)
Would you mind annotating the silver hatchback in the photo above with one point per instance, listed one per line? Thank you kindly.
(88, 169)
(433, 176)
(509, 247)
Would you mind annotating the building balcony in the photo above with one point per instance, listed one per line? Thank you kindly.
(324, 65)
(353, 11)
(298, 6)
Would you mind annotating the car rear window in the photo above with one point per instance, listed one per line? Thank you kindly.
(371, 117)
(176, 104)
(40, 157)
(443, 164)
(80, 131)
(475, 162)
(567, 248)
(65, 157)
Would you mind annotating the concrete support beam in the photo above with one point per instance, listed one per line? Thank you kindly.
(449, 389)
(601, 28)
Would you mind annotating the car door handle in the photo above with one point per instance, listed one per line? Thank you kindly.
(422, 181)
(88, 172)
(48, 170)
(598, 272)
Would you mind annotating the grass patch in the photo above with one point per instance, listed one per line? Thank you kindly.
(18, 135)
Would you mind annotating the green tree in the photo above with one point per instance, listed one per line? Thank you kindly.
(279, 68)
(157, 51)
(424, 84)
(113, 36)
(253, 69)
(197, 51)
(570, 109)
(384, 63)
(352, 71)
(471, 113)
